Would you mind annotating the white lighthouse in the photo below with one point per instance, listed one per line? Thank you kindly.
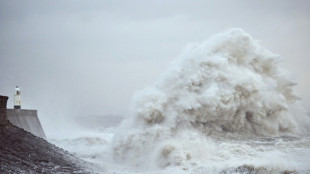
(17, 98)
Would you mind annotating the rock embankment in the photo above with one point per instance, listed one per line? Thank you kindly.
(22, 152)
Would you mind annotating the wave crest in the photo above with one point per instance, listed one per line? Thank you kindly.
(226, 84)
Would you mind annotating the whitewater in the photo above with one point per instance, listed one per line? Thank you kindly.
(225, 106)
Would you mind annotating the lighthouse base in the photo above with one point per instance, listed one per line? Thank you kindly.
(17, 107)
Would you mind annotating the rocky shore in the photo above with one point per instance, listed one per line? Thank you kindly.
(22, 152)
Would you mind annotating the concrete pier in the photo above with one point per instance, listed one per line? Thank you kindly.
(23, 152)
(27, 120)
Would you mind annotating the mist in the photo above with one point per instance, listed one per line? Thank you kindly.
(80, 58)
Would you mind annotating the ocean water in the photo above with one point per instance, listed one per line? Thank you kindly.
(234, 154)
(225, 106)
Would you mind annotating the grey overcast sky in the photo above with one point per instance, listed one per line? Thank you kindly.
(81, 57)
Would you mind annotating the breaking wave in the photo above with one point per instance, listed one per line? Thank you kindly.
(228, 85)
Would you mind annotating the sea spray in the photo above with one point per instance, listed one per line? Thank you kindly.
(228, 85)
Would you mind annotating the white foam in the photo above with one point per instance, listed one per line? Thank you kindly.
(227, 86)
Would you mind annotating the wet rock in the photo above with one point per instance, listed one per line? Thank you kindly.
(22, 152)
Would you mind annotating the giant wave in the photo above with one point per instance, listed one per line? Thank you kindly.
(227, 85)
